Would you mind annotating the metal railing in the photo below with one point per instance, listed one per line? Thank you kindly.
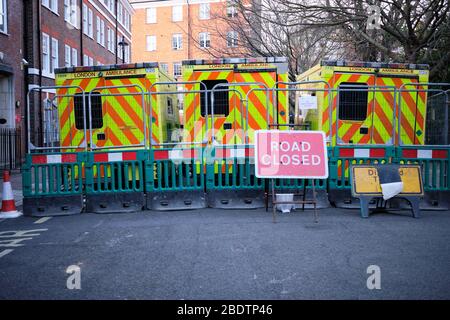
(11, 149)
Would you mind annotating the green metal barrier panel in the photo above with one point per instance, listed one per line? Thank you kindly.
(342, 157)
(175, 179)
(231, 180)
(115, 181)
(434, 162)
(53, 183)
(231, 167)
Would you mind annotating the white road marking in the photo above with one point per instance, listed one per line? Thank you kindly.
(42, 220)
(5, 252)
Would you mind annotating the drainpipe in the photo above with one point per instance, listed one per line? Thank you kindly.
(81, 33)
(189, 28)
(26, 82)
(40, 113)
(117, 33)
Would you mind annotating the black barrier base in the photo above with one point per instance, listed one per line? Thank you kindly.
(236, 199)
(176, 200)
(53, 206)
(123, 202)
(437, 200)
(413, 202)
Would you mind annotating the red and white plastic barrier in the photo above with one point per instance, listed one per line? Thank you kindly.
(54, 158)
(176, 154)
(424, 154)
(8, 205)
(362, 153)
(240, 152)
(115, 156)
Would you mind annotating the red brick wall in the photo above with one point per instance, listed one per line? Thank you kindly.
(11, 45)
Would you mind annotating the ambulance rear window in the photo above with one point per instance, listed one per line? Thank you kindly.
(96, 108)
(221, 101)
(353, 101)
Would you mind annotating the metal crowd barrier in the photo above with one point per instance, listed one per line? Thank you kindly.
(194, 175)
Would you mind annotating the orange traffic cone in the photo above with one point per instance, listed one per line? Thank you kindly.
(8, 204)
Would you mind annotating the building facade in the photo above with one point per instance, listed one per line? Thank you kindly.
(63, 33)
(12, 69)
(171, 31)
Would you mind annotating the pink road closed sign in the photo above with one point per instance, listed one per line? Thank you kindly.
(291, 154)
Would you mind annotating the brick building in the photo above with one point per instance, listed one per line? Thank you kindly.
(70, 33)
(12, 90)
(170, 31)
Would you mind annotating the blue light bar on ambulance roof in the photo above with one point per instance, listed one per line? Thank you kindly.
(108, 67)
(343, 63)
(235, 60)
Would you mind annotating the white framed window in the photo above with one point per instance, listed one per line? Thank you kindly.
(67, 10)
(3, 16)
(45, 53)
(151, 43)
(67, 58)
(97, 28)
(120, 12)
(87, 60)
(102, 32)
(177, 13)
(70, 12)
(164, 66)
(111, 6)
(74, 57)
(204, 39)
(231, 9)
(177, 69)
(90, 23)
(119, 50)
(54, 56)
(85, 18)
(127, 54)
(232, 39)
(109, 38)
(112, 42)
(127, 20)
(177, 41)
(151, 15)
(52, 5)
(204, 11)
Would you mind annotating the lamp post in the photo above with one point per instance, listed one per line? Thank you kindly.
(123, 44)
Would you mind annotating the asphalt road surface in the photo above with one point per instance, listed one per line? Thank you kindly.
(219, 254)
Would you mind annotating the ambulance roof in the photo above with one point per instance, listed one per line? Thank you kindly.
(344, 63)
(108, 67)
(235, 60)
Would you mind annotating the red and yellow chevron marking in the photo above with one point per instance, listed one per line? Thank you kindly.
(122, 114)
(194, 123)
(349, 131)
(413, 109)
(122, 117)
(69, 134)
(257, 102)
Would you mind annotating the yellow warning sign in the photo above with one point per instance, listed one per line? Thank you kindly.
(412, 179)
(365, 180)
